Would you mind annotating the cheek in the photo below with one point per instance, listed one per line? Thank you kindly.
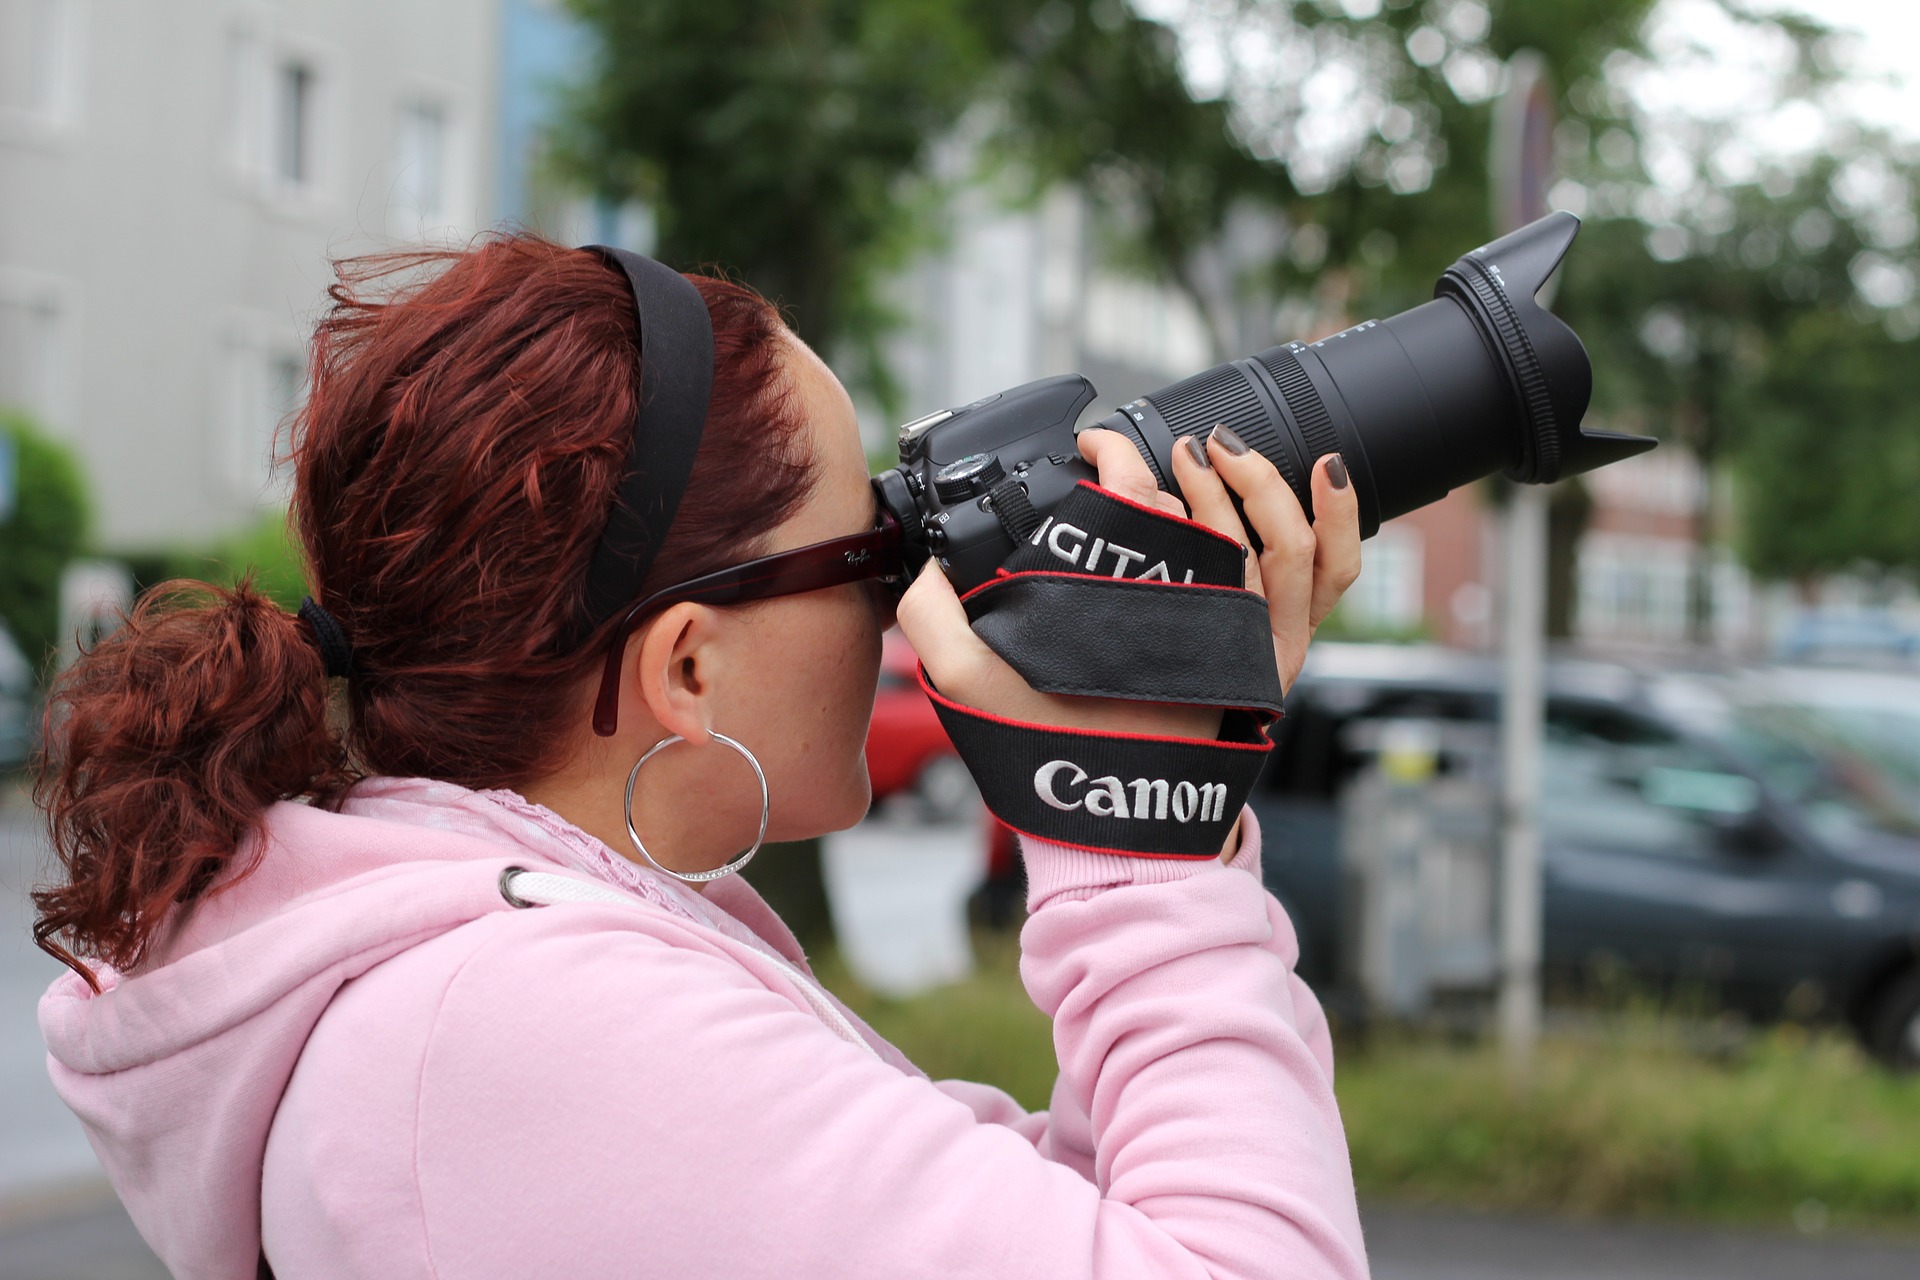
(824, 667)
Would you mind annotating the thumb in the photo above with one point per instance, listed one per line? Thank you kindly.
(935, 624)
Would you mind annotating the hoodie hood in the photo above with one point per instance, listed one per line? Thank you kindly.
(176, 1071)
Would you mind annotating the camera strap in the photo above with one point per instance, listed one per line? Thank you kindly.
(1108, 598)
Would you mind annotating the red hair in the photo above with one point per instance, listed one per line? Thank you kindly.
(454, 466)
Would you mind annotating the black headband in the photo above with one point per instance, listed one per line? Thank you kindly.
(676, 379)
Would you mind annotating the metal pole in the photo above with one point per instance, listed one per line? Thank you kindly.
(1521, 161)
(1521, 706)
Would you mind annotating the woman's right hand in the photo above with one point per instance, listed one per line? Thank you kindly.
(1302, 571)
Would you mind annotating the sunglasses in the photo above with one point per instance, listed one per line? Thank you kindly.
(860, 557)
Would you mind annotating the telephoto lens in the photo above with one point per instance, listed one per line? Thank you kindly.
(1482, 380)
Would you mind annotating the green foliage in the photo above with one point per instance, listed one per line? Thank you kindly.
(1341, 625)
(778, 141)
(811, 149)
(1830, 458)
(1627, 1118)
(1389, 238)
(800, 146)
(265, 549)
(1632, 1122)
(48, 528)
(790, 878)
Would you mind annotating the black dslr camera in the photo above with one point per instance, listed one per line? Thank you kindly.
(1482, 379)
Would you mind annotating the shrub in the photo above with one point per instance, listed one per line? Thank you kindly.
(47, 529)
(266, 549)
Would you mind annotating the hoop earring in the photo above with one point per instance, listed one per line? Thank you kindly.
(699, 877)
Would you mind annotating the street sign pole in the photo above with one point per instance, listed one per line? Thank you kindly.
(1521, 163)
(1522, 706)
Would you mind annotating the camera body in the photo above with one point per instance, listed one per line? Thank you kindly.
(952, 461)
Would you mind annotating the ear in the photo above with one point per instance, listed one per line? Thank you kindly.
(671, 667)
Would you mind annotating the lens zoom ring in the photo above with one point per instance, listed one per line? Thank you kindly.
(1536, 403)
(1309, 411)
(1224, 395)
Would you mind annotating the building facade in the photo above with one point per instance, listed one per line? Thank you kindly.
(174, 177)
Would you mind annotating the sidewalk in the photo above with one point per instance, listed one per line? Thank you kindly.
(41, 1144)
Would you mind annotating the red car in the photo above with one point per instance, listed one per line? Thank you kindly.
(908, 753)
(910, 757)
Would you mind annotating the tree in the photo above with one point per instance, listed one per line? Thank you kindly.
(1707, 240)
(784, 142)
(1831, 458)
(808, 147)
(47, 530)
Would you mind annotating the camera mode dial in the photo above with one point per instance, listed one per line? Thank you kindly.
(968, 477)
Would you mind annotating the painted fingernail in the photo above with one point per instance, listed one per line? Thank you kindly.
(1196, 447)
(1337, 470)
(1229, 439)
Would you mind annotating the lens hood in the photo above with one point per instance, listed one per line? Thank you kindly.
(1546, 367)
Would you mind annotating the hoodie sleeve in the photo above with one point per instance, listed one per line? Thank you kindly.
(1063, 1132)
(598, 1102)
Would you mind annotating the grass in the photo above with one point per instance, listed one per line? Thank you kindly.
(1625, 1115)
(1627, 1120)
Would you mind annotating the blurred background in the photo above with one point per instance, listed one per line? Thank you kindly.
(951, 198)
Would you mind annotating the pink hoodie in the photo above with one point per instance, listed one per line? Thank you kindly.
(364, 1060)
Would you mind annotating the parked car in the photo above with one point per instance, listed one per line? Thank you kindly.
(1842, 746)
(18, 705)
(1671, 846)
(1857, 636)
(908, 752)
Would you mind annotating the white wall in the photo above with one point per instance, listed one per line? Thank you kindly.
(166, 218)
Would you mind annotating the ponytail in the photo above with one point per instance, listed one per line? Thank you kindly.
(163, 747)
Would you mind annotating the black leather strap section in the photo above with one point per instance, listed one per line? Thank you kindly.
(1110, 793)
(676, 380)
(1107, 598)
(1097, 532)
(1125, 638)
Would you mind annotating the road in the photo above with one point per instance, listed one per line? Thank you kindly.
(59, 1222)
(91, 1239)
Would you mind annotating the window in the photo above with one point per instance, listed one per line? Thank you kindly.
(40, 61)
(263, 384)
(423, 199)
(1633, 587)
(1390, 594)
(1144, 326)
(247, 116)
(278, 104)
(33, 348)
(293, 141)
(1617, 782)
(423, 160)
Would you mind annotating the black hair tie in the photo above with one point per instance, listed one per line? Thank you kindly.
(336, 651)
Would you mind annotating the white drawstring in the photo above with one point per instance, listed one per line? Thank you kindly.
(523, 888)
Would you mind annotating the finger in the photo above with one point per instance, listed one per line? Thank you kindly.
(1207, 494)
(935, 624)
(1124, 471)
(1287, 541)
(960, 664)
(1336, 528)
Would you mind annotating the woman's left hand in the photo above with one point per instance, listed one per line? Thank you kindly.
(1303, 568)
(1301, 572)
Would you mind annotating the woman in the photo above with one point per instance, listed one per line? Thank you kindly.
(437, 981)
